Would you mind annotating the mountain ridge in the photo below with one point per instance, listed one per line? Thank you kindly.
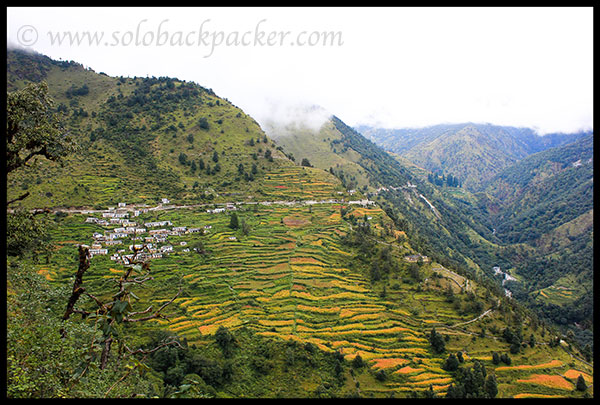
(471, 152)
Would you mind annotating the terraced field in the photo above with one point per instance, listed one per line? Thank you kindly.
(298, 182)
(291, 278)
(546, 379)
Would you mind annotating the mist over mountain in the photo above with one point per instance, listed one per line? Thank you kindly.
(281, 120)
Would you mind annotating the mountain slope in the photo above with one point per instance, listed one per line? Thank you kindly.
(437, 223)
(143, 139)
(546, 201)
(471, 152)
(534, 218)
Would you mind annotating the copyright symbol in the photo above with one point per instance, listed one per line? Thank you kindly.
(27, 35)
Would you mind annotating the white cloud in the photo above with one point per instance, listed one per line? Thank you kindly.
(281, 119)
(396, 67)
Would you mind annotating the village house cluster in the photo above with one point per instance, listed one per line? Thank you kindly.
(416, 258)
(150, 237)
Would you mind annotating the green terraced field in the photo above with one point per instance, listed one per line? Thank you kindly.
(291, 278)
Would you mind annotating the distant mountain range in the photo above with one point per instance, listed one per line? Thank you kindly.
(473, 153)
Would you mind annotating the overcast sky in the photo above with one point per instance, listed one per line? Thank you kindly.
(398, 67)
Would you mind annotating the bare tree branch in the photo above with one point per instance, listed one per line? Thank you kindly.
(100, 304)
(157, 314)
(142, 351)
(24, 196)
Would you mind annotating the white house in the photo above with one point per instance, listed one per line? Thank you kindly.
(161, 231)
(155, 224)
(94, 252)
(113, 242)
(116, 235)
(362, 202)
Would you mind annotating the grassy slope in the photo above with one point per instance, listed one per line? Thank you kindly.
(136, 158)
(318, 148)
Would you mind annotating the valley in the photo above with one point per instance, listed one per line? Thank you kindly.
(269, 263)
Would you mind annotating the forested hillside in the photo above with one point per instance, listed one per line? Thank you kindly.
(545, 201)
(473, 153)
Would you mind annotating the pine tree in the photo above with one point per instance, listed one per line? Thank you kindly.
(437, 341)
(451, 363)
(491, 386)
(532, 341)
(225, 340)
(203, 123)
(358, 362)
(581, 385)
(430, 393)
(245, 228)
(233, 221)
(495, 358)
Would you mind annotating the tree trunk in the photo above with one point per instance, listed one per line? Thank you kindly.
(105, 353)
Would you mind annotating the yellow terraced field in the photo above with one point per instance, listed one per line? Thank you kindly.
(551, 364)
(550, 381)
